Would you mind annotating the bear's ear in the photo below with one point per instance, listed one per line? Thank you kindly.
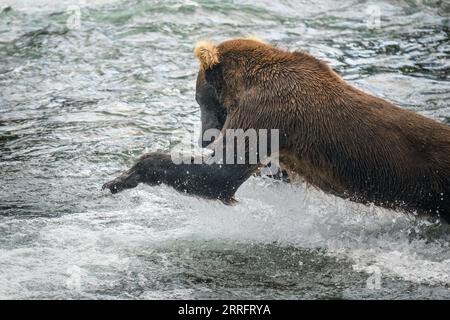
(208, 55)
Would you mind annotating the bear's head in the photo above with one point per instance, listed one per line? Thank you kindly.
(231, 57)
(212, 112)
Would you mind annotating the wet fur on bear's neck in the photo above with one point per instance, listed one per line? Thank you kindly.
(337, 137)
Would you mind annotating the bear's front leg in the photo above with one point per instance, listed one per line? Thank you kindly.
(214, 181)
(127, 180)
(150, 168)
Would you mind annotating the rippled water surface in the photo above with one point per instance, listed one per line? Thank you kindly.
(80, 101)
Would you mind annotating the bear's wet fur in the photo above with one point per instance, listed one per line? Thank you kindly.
(337, 137)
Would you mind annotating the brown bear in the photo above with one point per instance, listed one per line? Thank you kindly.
(335, 136)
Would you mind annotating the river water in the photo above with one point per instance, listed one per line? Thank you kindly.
(86, 87)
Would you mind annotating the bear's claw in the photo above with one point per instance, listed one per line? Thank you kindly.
(125, 181)
(113, 186)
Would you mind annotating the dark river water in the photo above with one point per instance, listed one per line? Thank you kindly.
(86, 87)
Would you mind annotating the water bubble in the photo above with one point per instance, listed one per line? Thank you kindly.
(73, 282)
(373, 20)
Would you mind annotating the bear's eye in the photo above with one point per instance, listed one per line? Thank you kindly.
(214, 78)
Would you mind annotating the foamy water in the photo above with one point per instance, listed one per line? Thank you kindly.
(159, 243)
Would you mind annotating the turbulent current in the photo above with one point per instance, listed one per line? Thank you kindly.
(86, 87)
